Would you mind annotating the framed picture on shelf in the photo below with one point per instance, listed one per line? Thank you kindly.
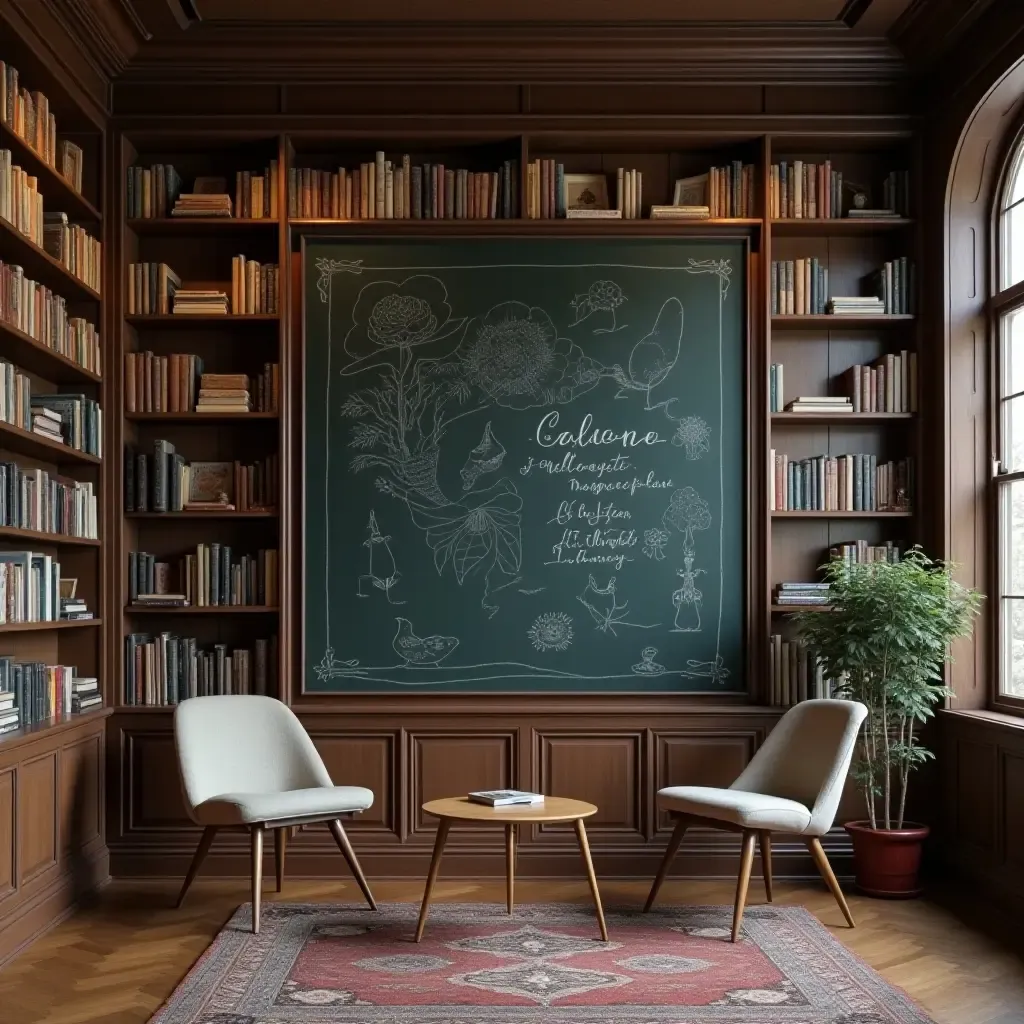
(210, 483)
(586, 192)
(691, 191)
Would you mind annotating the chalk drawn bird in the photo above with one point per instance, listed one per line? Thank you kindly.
(486, 457)
(431, 650)
(653, 356)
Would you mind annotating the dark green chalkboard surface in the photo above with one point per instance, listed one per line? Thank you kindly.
(524, 465)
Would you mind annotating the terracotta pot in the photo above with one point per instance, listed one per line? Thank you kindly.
(886, 861)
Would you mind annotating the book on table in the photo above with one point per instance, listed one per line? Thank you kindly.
(505, 797)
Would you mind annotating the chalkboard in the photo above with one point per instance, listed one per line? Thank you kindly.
(524, 465)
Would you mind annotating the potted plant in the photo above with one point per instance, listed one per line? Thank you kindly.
(885, 643)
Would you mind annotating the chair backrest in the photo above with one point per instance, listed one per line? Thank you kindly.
(243, 744)
(806, 758)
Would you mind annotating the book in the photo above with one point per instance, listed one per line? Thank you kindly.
(505, 797)
(680, 212)
(572, 214)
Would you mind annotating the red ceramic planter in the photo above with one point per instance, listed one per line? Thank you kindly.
(886, 862)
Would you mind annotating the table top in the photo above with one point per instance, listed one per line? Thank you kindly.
(554, 808)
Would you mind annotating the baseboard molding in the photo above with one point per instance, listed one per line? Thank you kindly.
(36, 915)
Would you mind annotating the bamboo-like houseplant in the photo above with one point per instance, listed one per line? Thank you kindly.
(885, 643)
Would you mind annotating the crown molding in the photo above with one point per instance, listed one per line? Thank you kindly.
(333, 54)
(108, 33)
(927, 29)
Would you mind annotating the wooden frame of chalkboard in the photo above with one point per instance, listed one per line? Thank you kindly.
(479, 535)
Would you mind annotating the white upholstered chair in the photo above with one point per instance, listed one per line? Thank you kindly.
(247, 763)
(792, 785)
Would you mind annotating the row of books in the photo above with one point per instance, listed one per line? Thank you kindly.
(629, 193)
(43, 315)
(151, 287)
(254, 286)
(798, 189)
(68, 419)
(862, 552)
(545, 191)
(21, 202)
(207, 578)
(74, 248)
(798, 287)
(32, 692)
(256, 192)
(33, 499)
(893, 283)
(155, 383)
(165, 482)
(28, 115)
(233, 392)
(731, 191)
(776, 378)
(167, 669)
(797, 594)
(896, 193)
(796, 674)
(890, 385)
(29, 587)
(151, 192)
(839, 483)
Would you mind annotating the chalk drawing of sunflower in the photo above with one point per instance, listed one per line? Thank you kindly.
(551, 631)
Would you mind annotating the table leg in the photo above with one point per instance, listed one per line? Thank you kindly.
(435, 866)
(581, 836)
(510, 865)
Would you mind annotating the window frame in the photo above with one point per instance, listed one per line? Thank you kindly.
(1002, 302)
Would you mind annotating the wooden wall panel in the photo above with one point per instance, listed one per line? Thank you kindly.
(37, 816)
(604, 769)
(360, 759)
(80, 798)
(8, 845)
(1012, 809)
(976, 775)
(685, 759)
(152, 783)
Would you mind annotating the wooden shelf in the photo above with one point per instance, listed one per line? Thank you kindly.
(203, 514)
(200, 225)
(28, 354)
(60, 723)
(835, 418)
(41, 266)
(820, 227)
(557, 227)
(40, 537)
(784, 608)
(146, 709)
(799, 514)
(42, 627)
(57, 192)
(827, 321)
(25, 442)
(199, 417)
(183, 321)
(212, 609)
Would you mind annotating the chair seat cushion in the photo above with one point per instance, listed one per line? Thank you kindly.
(748, 810)
(321, 802)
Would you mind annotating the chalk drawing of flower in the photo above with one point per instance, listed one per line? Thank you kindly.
(397, 316)
(654, 543)
(551, 631)
(514, 354)
(694, 435)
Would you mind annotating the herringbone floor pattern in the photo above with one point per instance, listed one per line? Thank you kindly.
(118, 961)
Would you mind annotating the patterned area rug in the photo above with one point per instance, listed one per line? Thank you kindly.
(317, 963)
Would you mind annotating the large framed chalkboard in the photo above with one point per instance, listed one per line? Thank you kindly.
(524, 465)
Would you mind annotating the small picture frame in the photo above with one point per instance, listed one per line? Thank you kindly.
(691, 191)
(586, 192)
(68, 588)
(211, 482)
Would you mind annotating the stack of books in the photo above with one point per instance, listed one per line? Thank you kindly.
(872, 213)
(202, 204)
(9, 717)
(85, 694)
(201, 302)
(819, 404)
(81, 419)
(505, 797)
(224, 392)
(74, 608)
(680, 212)
(802, 594)
(47, 423)
(856, 305)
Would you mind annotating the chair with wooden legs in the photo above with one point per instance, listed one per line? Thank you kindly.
(792, 785)
(247, 763)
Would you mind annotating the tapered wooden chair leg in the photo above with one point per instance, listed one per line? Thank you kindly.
(766, 862)
(510, 866)
(825, 869)
(280, 843)
(205, 842)
(341, 838)
(666, 862)
(257, 875)
(743, 882)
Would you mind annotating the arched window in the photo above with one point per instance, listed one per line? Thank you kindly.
(1008, 321)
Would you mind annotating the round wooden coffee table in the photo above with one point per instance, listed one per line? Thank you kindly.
(555, 808)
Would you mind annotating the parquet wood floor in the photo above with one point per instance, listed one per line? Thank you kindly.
(118, 961)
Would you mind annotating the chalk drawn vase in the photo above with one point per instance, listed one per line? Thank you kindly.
(419, 473)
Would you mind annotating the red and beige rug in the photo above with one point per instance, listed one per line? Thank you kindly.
(318, 963)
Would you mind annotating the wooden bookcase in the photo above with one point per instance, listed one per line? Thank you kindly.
(816, 349)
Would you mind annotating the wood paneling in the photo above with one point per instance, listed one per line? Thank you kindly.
(153, 784)
(361, 759)
(81, 787)
(37, 816)
(8, 843)
(1012, 809)
(685, 759)
(976, 795)
(604, 769)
